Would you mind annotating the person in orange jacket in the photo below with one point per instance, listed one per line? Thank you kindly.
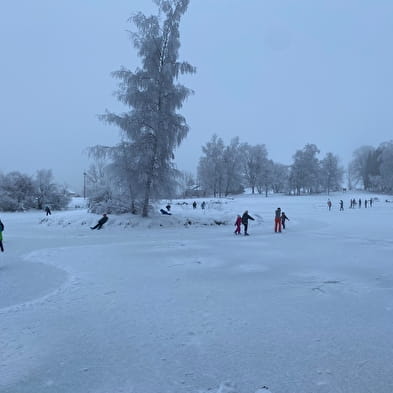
(277, 220)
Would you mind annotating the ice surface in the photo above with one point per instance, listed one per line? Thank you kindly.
(178, 303)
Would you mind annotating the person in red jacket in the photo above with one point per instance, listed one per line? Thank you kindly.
(238, 222)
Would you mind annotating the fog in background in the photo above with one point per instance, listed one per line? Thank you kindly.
(280, 73)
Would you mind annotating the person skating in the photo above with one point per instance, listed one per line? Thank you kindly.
(47, 211)
(245, 218)
(371, 202)
(194, 205)
(101, 222)
(1, 236)
(277, 220)
(365, 203)
(283, 218)
(238, 222)
(329, 203)
(341, 205)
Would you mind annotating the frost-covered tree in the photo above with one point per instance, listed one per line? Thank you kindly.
(280, 181)
(331, 173)
(211, 168)
(44, 187)
(16, 192)
(185, 182)
(305, 170)
(114, 179)
(265, 177)
(361, 165)
(233, 168)
(153, 126)
(386, 167)
(47, 192)
(19, 191)
(254, 160)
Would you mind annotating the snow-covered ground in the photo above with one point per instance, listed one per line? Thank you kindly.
(179, 304)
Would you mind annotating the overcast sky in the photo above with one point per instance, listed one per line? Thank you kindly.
(283, 73)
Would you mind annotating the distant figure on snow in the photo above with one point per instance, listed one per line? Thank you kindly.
(341, 205)
(165, 212)
(277, 220)
(101, 222)
(1, 236)
(168, 207)
(194, 205)
(203, 204)
(245, 218)
(238, 222)
(47, 211)
(283, 218)
(360, 203)
(371, 202)
(365, 203)
(329, 203)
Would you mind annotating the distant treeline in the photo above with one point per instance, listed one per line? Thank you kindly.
(20, 192)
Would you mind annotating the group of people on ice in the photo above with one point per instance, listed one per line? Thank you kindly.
(279, 221)
(352, 203)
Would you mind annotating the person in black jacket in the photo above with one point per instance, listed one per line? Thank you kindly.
(283, 218)
(245, 218)
(101, 222)
(1, 236)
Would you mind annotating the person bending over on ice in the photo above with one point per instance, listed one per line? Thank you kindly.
(238, 222)
(245, 218)
(277, 220)
(283, 218)
(101, 222)
(1, 236)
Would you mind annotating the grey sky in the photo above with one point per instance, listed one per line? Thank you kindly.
(284, 73)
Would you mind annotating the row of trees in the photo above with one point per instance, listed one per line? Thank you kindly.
(19, 191)
(372, 168)
(225, 170)
(140, 168)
